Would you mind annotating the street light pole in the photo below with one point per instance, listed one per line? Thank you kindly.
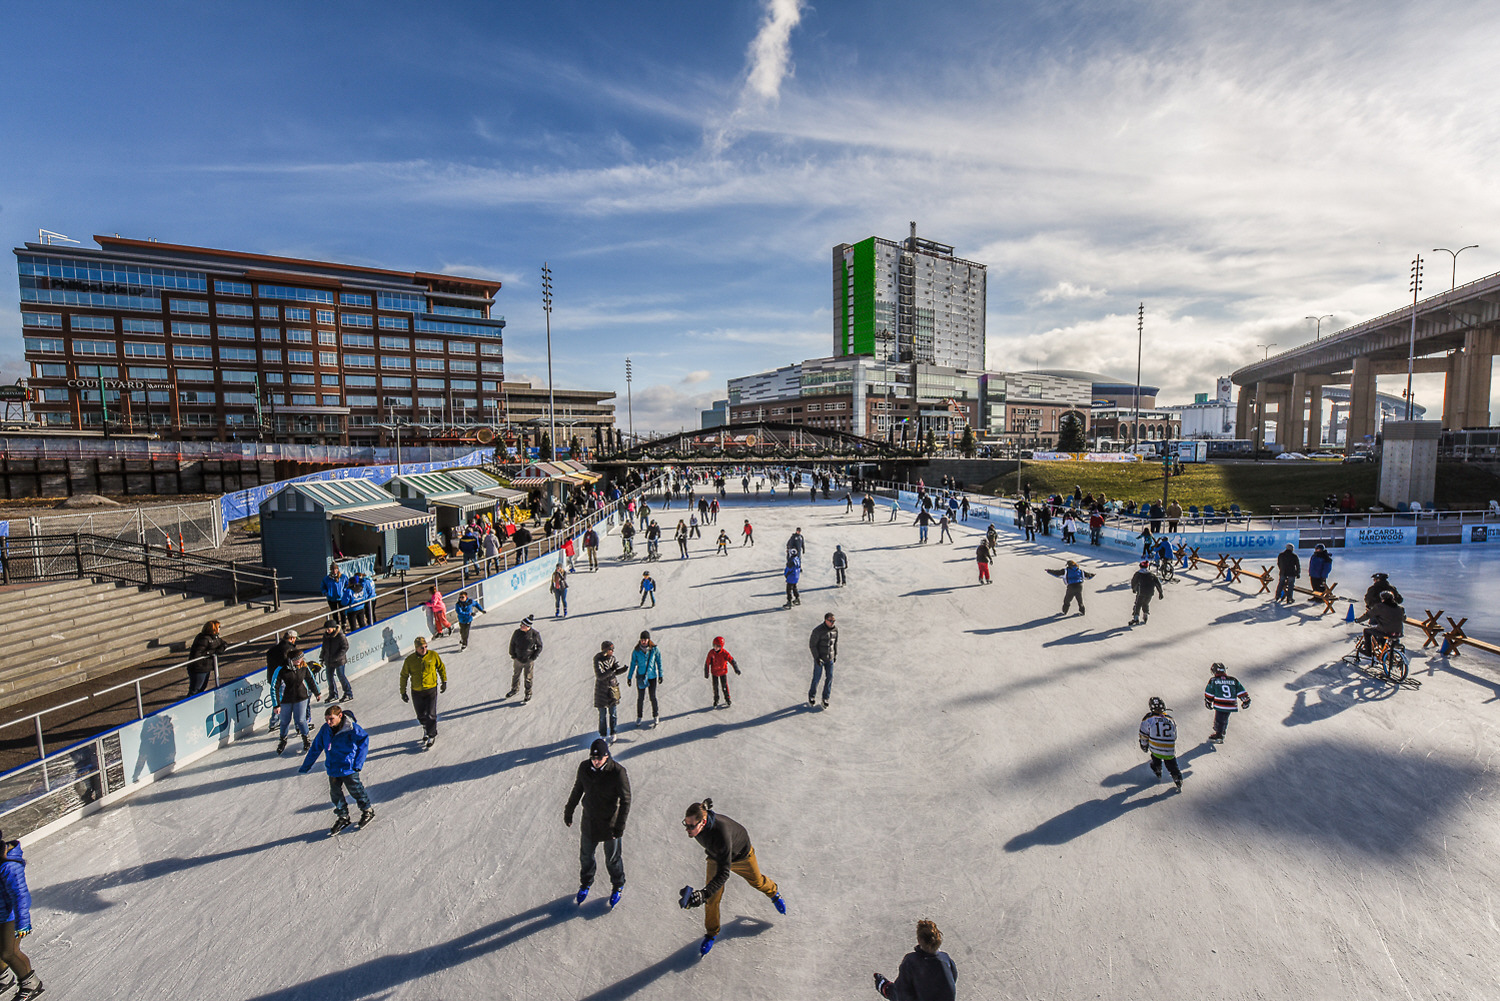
(1140, 328)
(1453, 280)
(1268, 348)
(1411, 347)
(1318, 331)
(551, 404)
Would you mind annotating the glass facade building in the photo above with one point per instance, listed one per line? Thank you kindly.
(203, 344)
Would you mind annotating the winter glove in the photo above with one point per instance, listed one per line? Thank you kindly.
(736, 670)
(23, 932)
(1208, 703)
(567, 820)
(1244, 702)
(1145, 744)
(880, 984)
(404, 697)
(443, 687)
(617, 833)
(690, 898)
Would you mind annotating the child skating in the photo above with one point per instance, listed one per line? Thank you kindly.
(716, 667)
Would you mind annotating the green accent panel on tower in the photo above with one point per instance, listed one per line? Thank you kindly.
(859, 335)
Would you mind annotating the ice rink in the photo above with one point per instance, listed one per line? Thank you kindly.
(978, 766)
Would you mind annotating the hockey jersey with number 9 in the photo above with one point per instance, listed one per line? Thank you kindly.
(1159, 735)
(1222, 693)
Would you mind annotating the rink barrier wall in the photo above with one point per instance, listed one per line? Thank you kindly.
(138, 753)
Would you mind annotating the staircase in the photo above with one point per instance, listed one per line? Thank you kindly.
(67, 632)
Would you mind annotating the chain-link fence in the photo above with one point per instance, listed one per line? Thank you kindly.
(189, 527)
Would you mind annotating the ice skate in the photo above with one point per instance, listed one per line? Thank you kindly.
(366, 816)
(338, 825)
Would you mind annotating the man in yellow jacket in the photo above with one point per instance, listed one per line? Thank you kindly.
(428, 677)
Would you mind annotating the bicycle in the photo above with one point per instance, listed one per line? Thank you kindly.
(1165, 570)
(1388, 657)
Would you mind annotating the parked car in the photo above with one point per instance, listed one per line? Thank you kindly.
(1291, 455)
(1358, 457)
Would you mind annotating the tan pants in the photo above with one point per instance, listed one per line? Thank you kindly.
(746, 868)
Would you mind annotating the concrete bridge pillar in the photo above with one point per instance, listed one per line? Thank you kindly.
(1315, 416)
(1362, 403)
(1243, 412)
(1291, 418)
(1452, 378)
(1477, 367)
(1257, 433)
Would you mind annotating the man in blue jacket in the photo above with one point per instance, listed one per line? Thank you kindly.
(359, 601)
(793, 574)
(1319, 566)
(346, 744)
(333, 591)
(15, 924)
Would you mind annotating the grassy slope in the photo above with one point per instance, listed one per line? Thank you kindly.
(1253, 486)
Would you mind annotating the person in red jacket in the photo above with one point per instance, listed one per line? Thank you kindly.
(716, 666)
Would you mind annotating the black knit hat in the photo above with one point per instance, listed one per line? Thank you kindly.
(599, 748)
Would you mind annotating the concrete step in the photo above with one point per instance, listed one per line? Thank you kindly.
(44, 588)
(95, 611)
(30, 609)
(150, 629)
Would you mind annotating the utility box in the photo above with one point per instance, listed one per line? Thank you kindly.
(1408, 463)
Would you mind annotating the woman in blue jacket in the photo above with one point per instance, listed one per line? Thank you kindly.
(645, 671)
(346, 744)
(793, 574)
(1319, 566)
(15, 922)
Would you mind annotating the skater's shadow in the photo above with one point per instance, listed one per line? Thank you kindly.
(735, 615)
(1087, 636)
(705, 732)
(1337, 687)
(81, 896)
(1016, 628)
(379, 976)
(928, 591)
(679, 961)
(1082, 819)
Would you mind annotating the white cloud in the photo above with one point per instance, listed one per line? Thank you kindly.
(697, 376)
(1064, 291)
(665, 409)
(770, 51)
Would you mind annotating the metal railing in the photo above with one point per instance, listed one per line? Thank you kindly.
(35, 558)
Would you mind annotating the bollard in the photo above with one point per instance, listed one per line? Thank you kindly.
(1349, 617)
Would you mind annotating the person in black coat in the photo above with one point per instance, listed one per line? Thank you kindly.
(335, 656)
(1379, 584)
(604, 787)
(282, 653)
(927, 973)
(1290, 568)
(207, 646)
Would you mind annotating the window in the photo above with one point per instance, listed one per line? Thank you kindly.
(359, 340)
(397, 402)
(97, 272)
(325, 316)
(477, 314)
(423, 344)
(227, 332)
(395, 382)
(394, 323)
(360, 381)
(92, 322)
(395, 343)
(356, 320)
(270, 334)
(354, 299)
(298, 335)
(361, 401)
(490, 349)
(94, 348)
(328, 358)
(51, 395)
(271, 355)
(359, 361)
(93, 300)
(331, 401)
(239, 400)
(181, 329)
(297, 314)
(191, 307)
(465, 403)
(462, 384)
(447, 327)
(328, 337)
(45, 370)
(42, 320)
(299, 357)
(461, 347)
(296, 294)
(196, 396)
(430, 365)
(271, 378)
(460, 366)
(329, 379)
(141, 326)
(403, 301)
(201, 352)
(270, 312)
(431, 384)
(434, 402)
(232, 288)
(195, 375)
(234, 309)
(390, 361)
(303, 379)
(489, 386)
(304, 400)
(492, 367)
(136, 349)
(236, 375)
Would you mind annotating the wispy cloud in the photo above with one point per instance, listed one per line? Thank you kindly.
(770, 53)
(696, 376)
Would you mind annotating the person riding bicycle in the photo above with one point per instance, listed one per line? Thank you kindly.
(653, 541)
(1380, 584)
(1164, 556)
(1387, 622)
(627, 535)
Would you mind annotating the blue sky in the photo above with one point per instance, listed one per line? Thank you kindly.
(686, 167)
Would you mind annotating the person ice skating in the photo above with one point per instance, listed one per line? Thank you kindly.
(982, 557)
(723, 543)
(867, 510)
(727, 845)
(604, 787)
(840, 566)
(464, 609)
(591, 548)
(1073, 576)
(796, 543)
(895, 509)
(344, 744)
(694, 531)
(923, 520)
(824, 644)
(335, 655)
(1028, 522)
(525, 648)
(1158, 735)
(848, 502)
(648, 590)
(607, 671)
(749, 535)
(645, 671)
(559, 591)
(792, 573)
(1290, 568)
(963, 508)
(1224, 695)
(439, 609)
(570, 552)
(1069, 526)
(203, 658)
(424, 669)
(943, 534)
(15, 924)
(1142, 584)
(1096, 527)
(681, 537)
(1319, 566)
(293, 687)
(281, 653)
(716, 668)
(991, 539)
(926, 974)
(653, 541)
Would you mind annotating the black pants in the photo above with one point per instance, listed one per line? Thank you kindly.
(424, 702)
(640, 700)
(614, 861)
(1317, 583)
(1142, 609)
(721, 681)
(197, 681)
(1171, 764)
(336, 611)
(791, 593)
(839, 575)
(1286, 589)
(1221, 721)
(1073, 591)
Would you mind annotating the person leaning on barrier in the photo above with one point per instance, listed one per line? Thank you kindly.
(333, 590)
(1387, 621)
(204, 656)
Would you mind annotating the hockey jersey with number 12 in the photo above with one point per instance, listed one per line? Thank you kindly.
(1159, 735)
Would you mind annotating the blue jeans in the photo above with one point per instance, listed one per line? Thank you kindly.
(560, 602)
(819, 667)
(356, 789)
(614, 861)
(924, 532)
(336, 672)
(608, 716)
(291, 711)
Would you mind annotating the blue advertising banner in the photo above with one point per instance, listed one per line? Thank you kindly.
(1387, 535)
(1481, 534)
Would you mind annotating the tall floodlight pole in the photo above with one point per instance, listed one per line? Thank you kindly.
(551, 403)
(1140, 329)
(1453, 279)
(629, 401)
(1411, 347)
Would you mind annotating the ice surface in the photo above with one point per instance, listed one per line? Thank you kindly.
(978, 767)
